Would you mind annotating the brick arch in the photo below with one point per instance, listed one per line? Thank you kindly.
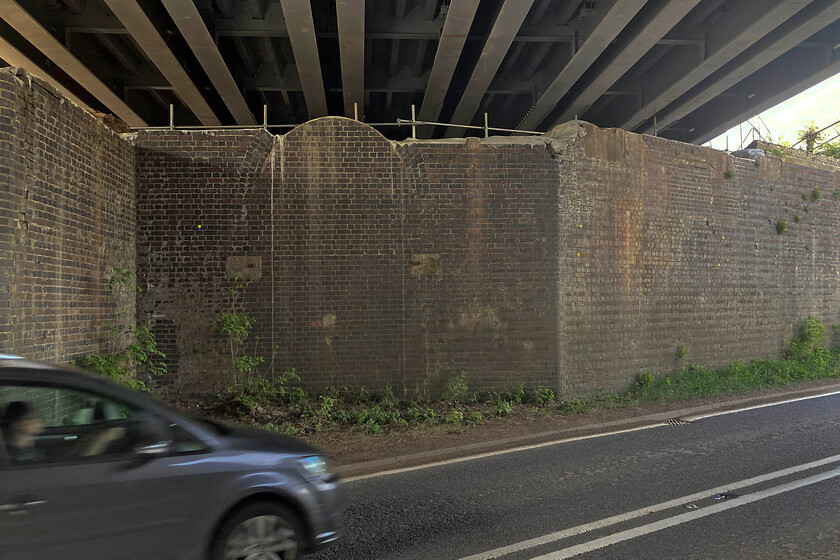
(344, 225)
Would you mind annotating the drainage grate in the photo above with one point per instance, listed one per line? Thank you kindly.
(677, 422)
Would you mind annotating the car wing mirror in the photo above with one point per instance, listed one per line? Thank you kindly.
(157, 439)
(154, 449)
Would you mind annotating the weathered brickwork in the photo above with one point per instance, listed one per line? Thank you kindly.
(573, 261)
(663, 247)
(483, 262)
(367, 263)
(67, 219)
(578, 265)
(199, 207)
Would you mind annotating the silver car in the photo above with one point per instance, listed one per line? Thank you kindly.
(92, 470)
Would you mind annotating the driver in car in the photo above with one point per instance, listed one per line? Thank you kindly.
(20, 427)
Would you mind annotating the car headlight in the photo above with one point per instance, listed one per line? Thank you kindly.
(316, 468)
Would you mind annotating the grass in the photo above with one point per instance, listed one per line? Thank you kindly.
(284, 408)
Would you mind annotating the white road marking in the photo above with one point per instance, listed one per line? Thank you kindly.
(721, 413)
(585, 528)
(495, 453)
(685, 517)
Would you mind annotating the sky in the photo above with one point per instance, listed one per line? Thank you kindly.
(820, 103)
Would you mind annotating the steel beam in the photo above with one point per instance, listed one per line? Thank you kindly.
(14, 57)
(148, 38)
(351, 45)
(539, 12)
(76, 6)
(274, 56)
(225, 9)
(400, 9)
(650, 32)
(757, 57)
(420, 58)
(116, 48)
(616, 18)
(536, 59)
(298, 15)
(451, 44)
(765, 99)
(258, 8)
(569, 12)
(189, 22)
(743, 37)
(393, 64)
(245, 55)
(430, 9)
(508, 21)
(43, 40)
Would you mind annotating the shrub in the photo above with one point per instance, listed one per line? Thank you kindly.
(456, 389)
(544, 395)
(811, 339)
(242, 399)
(139, 357)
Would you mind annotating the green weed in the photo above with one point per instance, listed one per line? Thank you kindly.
(456, 389)
(139, 357)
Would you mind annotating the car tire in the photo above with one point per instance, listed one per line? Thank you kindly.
(259, 531)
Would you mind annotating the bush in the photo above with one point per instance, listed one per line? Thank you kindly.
(811, 339)
(242, 399)
(456, 389)
(544, 395)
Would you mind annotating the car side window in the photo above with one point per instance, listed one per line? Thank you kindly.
(44, 424)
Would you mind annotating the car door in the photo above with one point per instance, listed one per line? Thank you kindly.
(66, 503)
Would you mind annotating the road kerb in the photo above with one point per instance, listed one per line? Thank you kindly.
(415, 459)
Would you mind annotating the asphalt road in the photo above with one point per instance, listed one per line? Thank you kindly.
(761, 483)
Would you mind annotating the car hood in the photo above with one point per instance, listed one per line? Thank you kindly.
(253, 439)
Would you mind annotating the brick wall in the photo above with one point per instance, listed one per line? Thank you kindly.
(573, 264)
(67, 219)
(662, 248)
(367, 262)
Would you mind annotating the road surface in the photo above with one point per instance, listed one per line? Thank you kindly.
(761, 483)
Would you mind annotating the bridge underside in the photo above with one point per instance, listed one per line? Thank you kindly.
(683, 69)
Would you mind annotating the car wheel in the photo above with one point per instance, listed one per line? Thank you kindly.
(261, 531)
